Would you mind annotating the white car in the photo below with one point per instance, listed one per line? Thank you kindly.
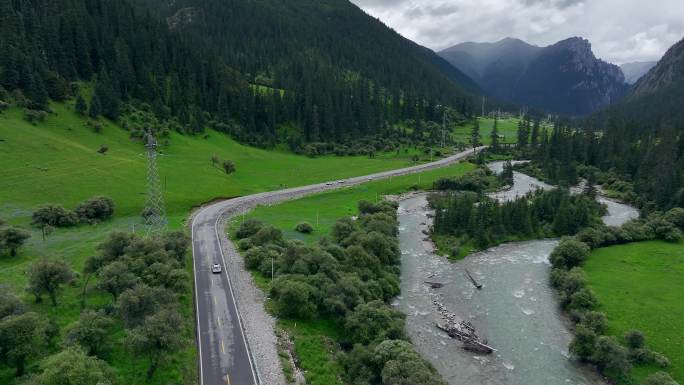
(216, 268)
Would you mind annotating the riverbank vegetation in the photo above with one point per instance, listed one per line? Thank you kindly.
(467, 221)
(598, 339)
(643, 167)
(345, 281)
(124, 318)
(314, 338)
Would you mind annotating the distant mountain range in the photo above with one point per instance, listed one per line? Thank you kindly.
(658, 96)
(564, 77)
(635, 70)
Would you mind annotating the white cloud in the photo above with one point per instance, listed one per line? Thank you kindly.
(619, 30)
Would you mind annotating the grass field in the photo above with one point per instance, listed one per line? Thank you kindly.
(641, 286)
(57, 162)
(506, 127)
(312, 338)
(322, 210)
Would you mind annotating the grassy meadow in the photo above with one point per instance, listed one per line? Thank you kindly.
(640, 286)
(56, 161)
(322, 210)
(506, 127)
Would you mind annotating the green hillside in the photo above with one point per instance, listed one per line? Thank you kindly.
(57, 162)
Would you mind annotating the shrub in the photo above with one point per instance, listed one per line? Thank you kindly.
(618, 235)
(248, 228)
(592, 237)
(12, 238)
(374, 321)
(343, 228)
(245, 244)
(660, 360)
(95, 125)
(635, 339)
(582, 299)
(293, 298)
(304, 228)
(254, 257)
(574, 281)
(558, 277)
(659, 378)
(569, 253)
(95, 209)
(611, 357)
(664, 229)
(34, 116)
(583, 345)
(676, 216)
(54, 215)
(103, 149)
(267, 235)
(641, 355)
(638, 231)
(229, 166)
(671, 235)
(595, 321)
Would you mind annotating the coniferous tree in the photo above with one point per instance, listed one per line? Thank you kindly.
(475, 134)
(80, 107)
(495, 137)
(534, 138)
(523, 132)
(95, 107)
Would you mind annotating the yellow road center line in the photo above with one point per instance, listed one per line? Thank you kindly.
(214, 300)
(223, 349)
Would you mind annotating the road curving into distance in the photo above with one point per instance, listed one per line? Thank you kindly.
(235, 335)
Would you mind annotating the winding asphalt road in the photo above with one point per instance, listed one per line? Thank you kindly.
(224, 352)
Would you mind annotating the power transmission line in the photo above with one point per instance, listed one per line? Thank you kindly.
(155, 212)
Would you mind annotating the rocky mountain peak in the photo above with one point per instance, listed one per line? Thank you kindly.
(668, 72)
(565, 77)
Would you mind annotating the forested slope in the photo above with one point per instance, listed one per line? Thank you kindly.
(659, 95)
(264, 71)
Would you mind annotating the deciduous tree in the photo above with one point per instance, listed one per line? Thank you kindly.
(90, 331)
(12, 238)
(22, 336)
(116, 277)
(48, 276)
(73, 367)
(158, 335)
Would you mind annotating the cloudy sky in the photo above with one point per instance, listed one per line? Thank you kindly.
(620, 30)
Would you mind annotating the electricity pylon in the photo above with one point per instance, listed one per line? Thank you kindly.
(155, 213)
